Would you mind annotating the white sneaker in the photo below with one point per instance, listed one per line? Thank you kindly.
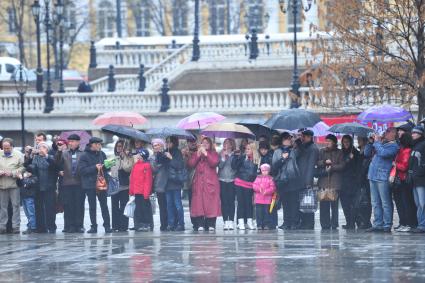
(241, 224)
(231, 225)
(400, 228)
(405, 229)
(250, 224)
(211, 229)
(226, 225)
(200, 229)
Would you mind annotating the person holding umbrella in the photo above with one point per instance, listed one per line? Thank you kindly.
(206, 205)
(91, 162)
(246, 167)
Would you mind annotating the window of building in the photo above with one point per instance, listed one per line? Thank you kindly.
(290, 17)
(217, 16)
(180, 14)
(11, 19)
(105, 19)
(254, 15)
(142, 18)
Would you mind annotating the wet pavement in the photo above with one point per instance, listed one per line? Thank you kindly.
(234, 256)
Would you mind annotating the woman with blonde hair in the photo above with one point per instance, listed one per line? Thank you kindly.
(246, 167)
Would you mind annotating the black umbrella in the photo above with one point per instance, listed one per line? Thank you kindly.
(126, 132)
(351, 128)
(257, 127)
(293, 119)
(170, 132)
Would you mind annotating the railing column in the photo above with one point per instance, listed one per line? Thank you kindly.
(142, 79)
(93, 63)
(253, 52)
(111, 79)
(165, 98)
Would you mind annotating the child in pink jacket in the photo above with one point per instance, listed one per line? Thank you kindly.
(264, 187)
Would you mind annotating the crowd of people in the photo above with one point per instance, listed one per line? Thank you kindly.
(247, 183)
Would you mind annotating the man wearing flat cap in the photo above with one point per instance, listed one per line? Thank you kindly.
(67, 159)
(91, 162)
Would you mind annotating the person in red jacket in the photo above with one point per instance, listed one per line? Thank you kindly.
(141, 188)
(402, 192)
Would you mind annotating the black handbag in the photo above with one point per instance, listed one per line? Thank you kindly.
(178, 175)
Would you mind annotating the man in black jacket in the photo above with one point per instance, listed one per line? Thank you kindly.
(67, 160)
(307, 160)
(91, 162)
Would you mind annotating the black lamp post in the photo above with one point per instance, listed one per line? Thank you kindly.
(196, 53)
(295, 85)
(60, 21)
(35, 8)
(21, 85)
(48, 94)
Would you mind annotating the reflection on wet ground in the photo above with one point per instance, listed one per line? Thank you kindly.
(295, 256)
(248, 256)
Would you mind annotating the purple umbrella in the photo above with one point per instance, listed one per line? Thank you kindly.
(384, 114)
(84, 137)
(199, 120)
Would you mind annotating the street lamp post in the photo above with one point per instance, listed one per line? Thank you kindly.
(61, 23)
(21, 85)
(48, 94)
(196, 53)
(295, 84)
(35, 8)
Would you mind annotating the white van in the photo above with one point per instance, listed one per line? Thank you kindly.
(8, 65)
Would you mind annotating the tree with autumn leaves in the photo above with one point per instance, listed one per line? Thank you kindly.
(378, 43)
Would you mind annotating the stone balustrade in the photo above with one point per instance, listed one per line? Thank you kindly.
(222, 101)
(131, 58)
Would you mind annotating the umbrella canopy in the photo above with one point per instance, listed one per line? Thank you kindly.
(199, 120)
(384, 114)
(352, 129)
(169, 132)
(228, 130)
(126, 132)
(321, 129)
(293, 119)
(84, 137)
(257, 127)
(120, 118)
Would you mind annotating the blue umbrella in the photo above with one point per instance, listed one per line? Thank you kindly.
(126, 132)
(170, 132)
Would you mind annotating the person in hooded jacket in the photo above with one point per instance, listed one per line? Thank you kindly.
(288, 181)
(417, 176)
(350, 180)
(91, 162)
(363, 205)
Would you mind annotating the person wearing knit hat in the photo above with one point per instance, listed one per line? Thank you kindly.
(416, 168)
(418, 130)
(264, 187)
(331, 163)
(158, 141)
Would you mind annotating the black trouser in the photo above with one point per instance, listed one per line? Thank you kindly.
(409, 207)
(9, 218)
(118, 201)
(102, 198)
(399, 205)
(205, 222)
(227, 196)
(326, 219)
(291, 207)
(72, 207)
(162, 203)
(143, 212)
(245, 207)
(45, 210)
(347, 202)
(363, 209)
(263, 216)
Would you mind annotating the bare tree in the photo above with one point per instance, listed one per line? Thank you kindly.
(379, 43)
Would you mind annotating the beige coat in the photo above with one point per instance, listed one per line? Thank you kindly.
(13, 164)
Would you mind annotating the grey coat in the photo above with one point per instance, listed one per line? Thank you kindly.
(160, 173)
(225, 171)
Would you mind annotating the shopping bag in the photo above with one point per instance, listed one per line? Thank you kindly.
(308, 200)
(113, 184)
(152, 199)
(129, 208)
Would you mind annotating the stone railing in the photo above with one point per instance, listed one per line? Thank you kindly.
(223, 101)
(131, 58)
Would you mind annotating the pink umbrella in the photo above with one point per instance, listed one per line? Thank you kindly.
(120, 118)
(319, 130)
(199, 120)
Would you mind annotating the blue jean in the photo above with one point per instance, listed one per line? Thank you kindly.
(382, 204)
(29, 209)
(175, 205)
(419, 196)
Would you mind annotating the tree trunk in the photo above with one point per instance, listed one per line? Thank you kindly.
(421, 103)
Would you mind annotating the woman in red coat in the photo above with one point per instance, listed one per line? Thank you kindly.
(141, 188)
(205, 207)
